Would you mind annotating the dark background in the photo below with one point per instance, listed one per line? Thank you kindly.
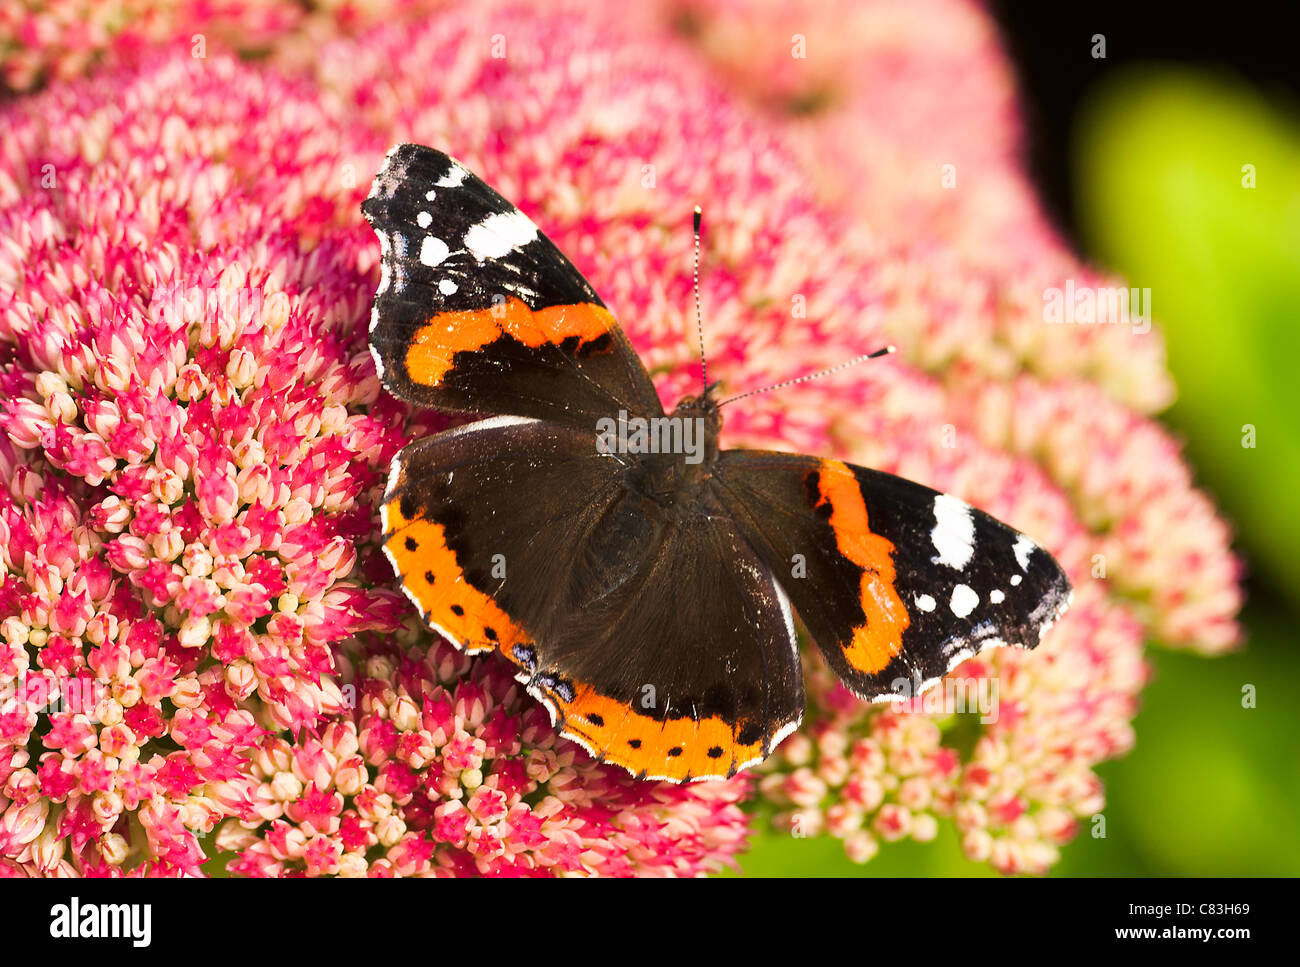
(1051, 44)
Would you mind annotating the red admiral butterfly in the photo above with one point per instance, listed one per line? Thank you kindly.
(640, 578)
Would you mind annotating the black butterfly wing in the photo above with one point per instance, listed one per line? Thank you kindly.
(897, 583)
(658, 641)
(477, 311)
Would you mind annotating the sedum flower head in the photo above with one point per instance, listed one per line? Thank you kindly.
(448, 768)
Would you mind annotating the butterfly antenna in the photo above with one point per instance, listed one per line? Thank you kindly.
(884, 351)
(699, 316)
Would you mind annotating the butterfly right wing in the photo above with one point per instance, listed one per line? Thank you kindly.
(896, 583)
(477, 311)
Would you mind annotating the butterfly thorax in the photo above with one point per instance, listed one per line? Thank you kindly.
(679, 457)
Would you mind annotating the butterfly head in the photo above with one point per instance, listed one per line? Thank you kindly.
(701, 418)
(703, 407)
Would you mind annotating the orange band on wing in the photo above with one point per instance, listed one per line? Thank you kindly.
(677, 749)
(436, 344)
(435, 580)
(880, 637)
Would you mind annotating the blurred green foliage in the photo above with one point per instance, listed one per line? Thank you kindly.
(1212, 787)
(1165, 158)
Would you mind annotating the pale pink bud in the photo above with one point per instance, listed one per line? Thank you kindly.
(233, 838)
(924, 827)
(843, 820)
(297, 511)
(127, 691)
(106, 806)
(273, 757)
(914, 793)
(113, 848)
(112, 375)
(241, 368)
(804, 788)
(14, 631)
(168, 546)
(797, 749)
(109, 711)
(241, 679)
(191, 384)
(352, 865)
(373, 806)
(197, 560)
(405, 714)
(128, 553)
(350, 776)
(112, 514)
(28, 423)
(390, 829)
(49, 383)
(188, 693)
(295, 842)
(168, 486)
(61, 408)
(861, 847)
(275, 311)
(21, 825)
(285, 786)
(117, 740)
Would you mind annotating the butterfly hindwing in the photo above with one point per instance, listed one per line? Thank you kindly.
(896, 582)
(477, 311)
(658, 641)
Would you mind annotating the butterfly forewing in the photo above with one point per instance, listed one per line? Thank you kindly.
(477, 311)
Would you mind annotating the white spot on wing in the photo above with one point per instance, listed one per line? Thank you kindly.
(1022, 549)
(925, 602)
(964, 600)
(424, 219)
(1015, 580)
(446, 286)
(953, 535)
(499, 234)
(789, 619)
(452, 179)
(433, 251)
(996, 596)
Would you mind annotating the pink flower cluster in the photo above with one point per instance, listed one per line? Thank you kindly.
(450, 769)
(193, 439)
(50, 40)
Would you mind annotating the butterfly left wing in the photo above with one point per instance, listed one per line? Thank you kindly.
(896, 583)
(477, 311)
(658, 641)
